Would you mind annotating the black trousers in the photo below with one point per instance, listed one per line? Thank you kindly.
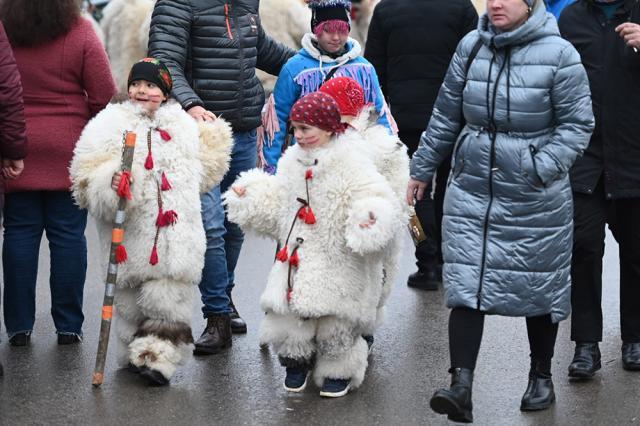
(465, 334)
(591, 214)
(429, 210)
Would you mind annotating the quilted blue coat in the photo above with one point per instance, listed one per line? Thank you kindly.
(515, 123)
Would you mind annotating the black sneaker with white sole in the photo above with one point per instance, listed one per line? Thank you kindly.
(296, 379)
(335, 388)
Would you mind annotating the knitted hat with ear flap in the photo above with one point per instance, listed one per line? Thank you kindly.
(330, 15)
(319, 110)
(347, 92)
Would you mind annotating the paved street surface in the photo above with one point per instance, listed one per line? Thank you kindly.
(48, 384)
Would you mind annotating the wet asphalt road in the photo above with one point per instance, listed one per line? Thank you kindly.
(48, 384)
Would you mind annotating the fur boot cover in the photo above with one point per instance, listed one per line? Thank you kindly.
(314, 206)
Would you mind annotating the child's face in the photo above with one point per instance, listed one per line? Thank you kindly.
(309, 136)
(332, 42)
(146, 94)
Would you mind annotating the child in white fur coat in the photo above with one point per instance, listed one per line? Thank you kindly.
(174, 161)
(332, 214)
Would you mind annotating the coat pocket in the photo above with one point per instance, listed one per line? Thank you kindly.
(529, 170)
(458, 160)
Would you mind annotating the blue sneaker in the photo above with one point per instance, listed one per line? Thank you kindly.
(296, 379)
(369, 340)
(335, 388)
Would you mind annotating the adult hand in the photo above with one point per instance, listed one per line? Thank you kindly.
(630, 32)
(415, 190)
(370, 222)
(201, 114)
(115, 180)
(239, 190)
(11, 169)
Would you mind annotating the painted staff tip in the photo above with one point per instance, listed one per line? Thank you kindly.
(130, 139)
(98, 378)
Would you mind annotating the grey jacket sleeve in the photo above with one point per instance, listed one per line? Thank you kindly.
(271, 54)
(438, 140)
(571, 99)
(169, 41)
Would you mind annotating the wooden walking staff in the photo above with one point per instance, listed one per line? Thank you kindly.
(117, 255)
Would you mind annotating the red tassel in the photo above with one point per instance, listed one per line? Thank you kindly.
(160, 221)
(124, 187)
(164, 134)
(165, 185)
(154, 256)
(310, 217)
(283, 254)
(302, 213)
(309, 174)
(170, 217)
(121, 254)
(148, 164)
(294, 260)
(289, 294)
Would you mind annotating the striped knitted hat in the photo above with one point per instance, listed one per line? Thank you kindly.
(332, 15)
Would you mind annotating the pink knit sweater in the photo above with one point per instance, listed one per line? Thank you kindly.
(66, 82)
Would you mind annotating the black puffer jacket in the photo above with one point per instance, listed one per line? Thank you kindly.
(410, 43)
(212, 48)
(614, 76)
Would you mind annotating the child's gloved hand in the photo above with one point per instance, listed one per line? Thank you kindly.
(115, 180)
(239, 190)
(370, 223)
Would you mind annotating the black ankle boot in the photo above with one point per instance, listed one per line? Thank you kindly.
(539, 394)
(455, 402)
(586, 360)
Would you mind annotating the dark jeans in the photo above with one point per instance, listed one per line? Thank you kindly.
(591, 214)
(429, 210)
(465, 334)
(26, 216)
(224, 238)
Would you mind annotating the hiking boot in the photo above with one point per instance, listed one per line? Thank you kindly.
(216, 335)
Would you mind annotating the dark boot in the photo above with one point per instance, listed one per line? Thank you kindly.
(539, 394)
(238, 326)
(20, 339)
(153, 377)
(216, 335)
(631, 356)
(455, 402)
(1, 370)
(428, 279)
(586, 361)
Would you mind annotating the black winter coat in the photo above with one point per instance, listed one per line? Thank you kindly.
(614, 76)
(212, 48)
(410, 44)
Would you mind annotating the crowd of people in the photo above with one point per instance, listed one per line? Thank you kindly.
(509, 135)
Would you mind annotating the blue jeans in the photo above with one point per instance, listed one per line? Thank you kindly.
(26, 216)
(224, 239)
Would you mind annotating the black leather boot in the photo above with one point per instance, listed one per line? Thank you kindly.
(216, 335)
(631, 356)
(586, 361)
(429, 280)
(455, 402)
(238, 326)
(539, 394)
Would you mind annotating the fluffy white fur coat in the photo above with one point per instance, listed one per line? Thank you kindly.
(340, 263)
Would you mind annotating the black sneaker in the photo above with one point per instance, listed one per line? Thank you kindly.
(369, 340)
(296, 379)
(68, 339)
(335, 388)
(20, 339)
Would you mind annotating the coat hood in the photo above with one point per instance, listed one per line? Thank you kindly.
(309, 49)
(540, 24)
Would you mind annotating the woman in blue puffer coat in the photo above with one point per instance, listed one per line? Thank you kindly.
(515, 119)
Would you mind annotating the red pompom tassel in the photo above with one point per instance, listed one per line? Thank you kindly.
(283, 254)
(121, 254)
(165, 185)
(309, 174)
(164, 135)
(310, 217)
(294, 260)
(148, 164)
(160, 219)
(154, 256)
(124, 187)
(170, 217)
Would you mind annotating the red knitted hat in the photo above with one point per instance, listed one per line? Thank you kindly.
(319, 110)
(347, 92)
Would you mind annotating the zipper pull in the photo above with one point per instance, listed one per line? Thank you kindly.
(226, 18)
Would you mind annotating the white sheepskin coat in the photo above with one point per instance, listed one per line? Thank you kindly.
(340, 263)
(194, 160)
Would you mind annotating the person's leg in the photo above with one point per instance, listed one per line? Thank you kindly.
(465, 335)
(590, 216)
(542, 339)
(65, 224)
(627, 232)
(23, 226)
(244, 158)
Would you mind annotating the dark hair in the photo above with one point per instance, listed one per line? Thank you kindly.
(33, 22)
